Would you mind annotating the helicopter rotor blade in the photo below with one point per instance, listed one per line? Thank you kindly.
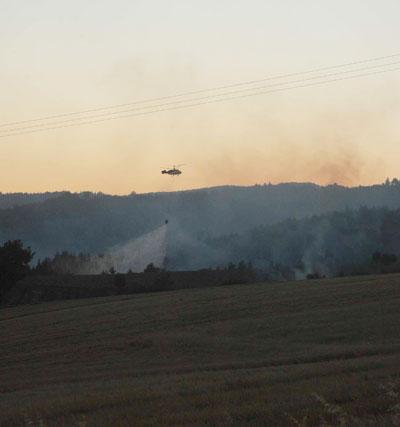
(174, 166)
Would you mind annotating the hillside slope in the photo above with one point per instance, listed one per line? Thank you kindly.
(94, 223)
(271, 353)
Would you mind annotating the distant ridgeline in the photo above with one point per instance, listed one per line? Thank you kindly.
(9, 200)
(297, 228)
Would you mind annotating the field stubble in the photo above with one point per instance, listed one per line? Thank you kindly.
(298, 353)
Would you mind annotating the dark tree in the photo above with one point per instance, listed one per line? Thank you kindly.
(390, 232)
(376, 257)
(151, 268)
(163, 281)
(120, 282)
(14, 264)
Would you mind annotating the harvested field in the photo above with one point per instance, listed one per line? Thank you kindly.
(294, 353)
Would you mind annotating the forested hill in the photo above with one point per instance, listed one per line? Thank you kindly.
(93, 222)
(9, 200)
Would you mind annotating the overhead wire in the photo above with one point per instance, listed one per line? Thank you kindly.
(202, 103)
(216, 88)
(197, 99)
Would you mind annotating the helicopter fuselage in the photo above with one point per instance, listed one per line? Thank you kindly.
(171, 171)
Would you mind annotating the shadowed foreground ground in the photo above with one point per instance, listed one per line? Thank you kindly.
(300, 353)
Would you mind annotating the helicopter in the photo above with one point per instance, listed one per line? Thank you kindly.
(174, 171)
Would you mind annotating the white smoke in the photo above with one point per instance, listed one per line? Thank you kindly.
(135, 255)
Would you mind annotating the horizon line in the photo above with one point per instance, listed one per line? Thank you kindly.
(214, 187)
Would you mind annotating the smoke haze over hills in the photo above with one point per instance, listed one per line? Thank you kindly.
(207, 227)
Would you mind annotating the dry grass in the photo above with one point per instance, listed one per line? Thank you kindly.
(298, 354)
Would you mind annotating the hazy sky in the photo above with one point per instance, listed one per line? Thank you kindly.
(61, 56)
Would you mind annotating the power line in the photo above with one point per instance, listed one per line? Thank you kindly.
(282, 76)
(197, 99)
(204, 103)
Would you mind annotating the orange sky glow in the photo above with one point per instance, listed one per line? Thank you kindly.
(59, 59)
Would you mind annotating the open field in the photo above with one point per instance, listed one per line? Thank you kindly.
(295, 353)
